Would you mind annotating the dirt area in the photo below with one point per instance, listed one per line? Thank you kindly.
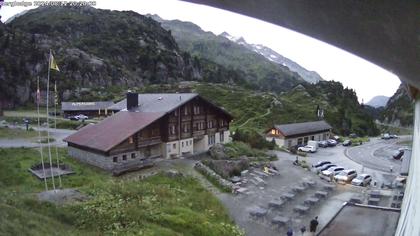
(62, 196)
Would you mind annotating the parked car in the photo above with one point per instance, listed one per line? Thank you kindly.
(353, 135)
(398, 154)
(324, 167)
(323, 144)
(362, 180)
(331, 143)
(385, 136)
(347, 142)
(307, 148)
(78, 117)
(345, 176)
(321, 163)
(393, 136)
(332, 170)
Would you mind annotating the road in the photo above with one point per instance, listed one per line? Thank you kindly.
(57, 134)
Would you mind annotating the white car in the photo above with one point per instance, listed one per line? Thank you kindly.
(362, 180)
(332, 171)
(307, 148)
(345, 176)
(81, 117)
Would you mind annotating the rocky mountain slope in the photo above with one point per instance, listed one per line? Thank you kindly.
(399, 110)
(255, 67)
(309, 76)
(378, 101)
(95, 49)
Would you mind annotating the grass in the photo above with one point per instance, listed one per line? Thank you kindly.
(19, 133)
(157, 205)
(237, 149)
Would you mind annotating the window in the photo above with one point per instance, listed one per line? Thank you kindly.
(172, 130)
(176, 113)
(115, 159)
(300, 141)
(289, 143)
(273, 131)
(124, 157)
(182, 144)
(186, 128)
(312, 137)
(209, 124)
(306, 140)
(212, 138)
(174, 146)
(196, 110)
(130, 139)
(168, 146)
(133, 155)
(190, 142)
(222, 137)
(186, 110)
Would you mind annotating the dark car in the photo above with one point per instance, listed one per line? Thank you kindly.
(353, 135)
(347, 142)
(398, 154)
(323, 144)
(326, 167)
(331, 143)
(321, 163)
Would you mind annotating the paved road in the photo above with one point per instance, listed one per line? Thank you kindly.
(377, 154)
(57, 134)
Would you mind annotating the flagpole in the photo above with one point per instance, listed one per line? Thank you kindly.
(48, 124)
(38, 96)
(55, 127)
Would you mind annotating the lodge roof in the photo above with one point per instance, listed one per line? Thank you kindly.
(156, 102)
(85, 106)
(113, 130)
(303, 128)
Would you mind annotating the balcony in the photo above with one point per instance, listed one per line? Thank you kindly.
(149, 141)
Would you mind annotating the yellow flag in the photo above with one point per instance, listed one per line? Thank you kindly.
(53, 64)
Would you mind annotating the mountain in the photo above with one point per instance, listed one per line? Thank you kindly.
(94, 49)
(309, 76)
(256, 69)
(399, 109)
(378, 101)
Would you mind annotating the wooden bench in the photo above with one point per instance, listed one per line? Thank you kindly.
(287, 196)
(312, 200)
(280, 220)
(374, 201)
(276, 204)
(302, 209)
(321, 194)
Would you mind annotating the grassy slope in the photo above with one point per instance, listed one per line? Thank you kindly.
(155, 206)
(18, 133)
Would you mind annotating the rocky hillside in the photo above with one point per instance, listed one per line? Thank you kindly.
(309, 76)
(399, 110)
(95, 49)
(378, 101)
(255, 67)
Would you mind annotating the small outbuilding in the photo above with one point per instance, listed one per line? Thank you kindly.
(288, 135)
(90, 109)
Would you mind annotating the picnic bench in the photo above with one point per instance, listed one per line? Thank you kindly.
(309, 183)
(312, 200)
(257, 212)
(287, 196)
(321, 194)
(301, 209)
(298, 188)
(280, 220)
(356, 199)
(329, 187)
(276, 204)
(374, 201)
(375, 194)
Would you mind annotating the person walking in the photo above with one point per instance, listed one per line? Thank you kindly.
(303, 230)
(289, 232)
(312, 226)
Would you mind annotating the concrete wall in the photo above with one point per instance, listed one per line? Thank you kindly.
(177, 148)
(141, 157)
(294, 141)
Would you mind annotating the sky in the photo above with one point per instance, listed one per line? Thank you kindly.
(330, 62)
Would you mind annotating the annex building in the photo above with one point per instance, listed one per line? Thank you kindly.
(288, 135)
(90, 109)
(148, 126)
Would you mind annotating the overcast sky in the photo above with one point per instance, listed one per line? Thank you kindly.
(330, 62)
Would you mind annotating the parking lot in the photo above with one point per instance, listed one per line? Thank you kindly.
(284, 200)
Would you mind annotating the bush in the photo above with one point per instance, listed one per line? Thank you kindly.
(253, 138)
(238, 149)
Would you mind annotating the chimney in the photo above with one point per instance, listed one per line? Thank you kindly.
(132, 100)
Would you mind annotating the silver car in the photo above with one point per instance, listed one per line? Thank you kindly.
(345, 176)
(332, 170)
(362, 180)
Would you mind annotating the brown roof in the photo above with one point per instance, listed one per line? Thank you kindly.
(113, 130)
(303, 128)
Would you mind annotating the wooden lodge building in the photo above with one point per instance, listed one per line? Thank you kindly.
(288, 135)
(149, 126)
(90, 109)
